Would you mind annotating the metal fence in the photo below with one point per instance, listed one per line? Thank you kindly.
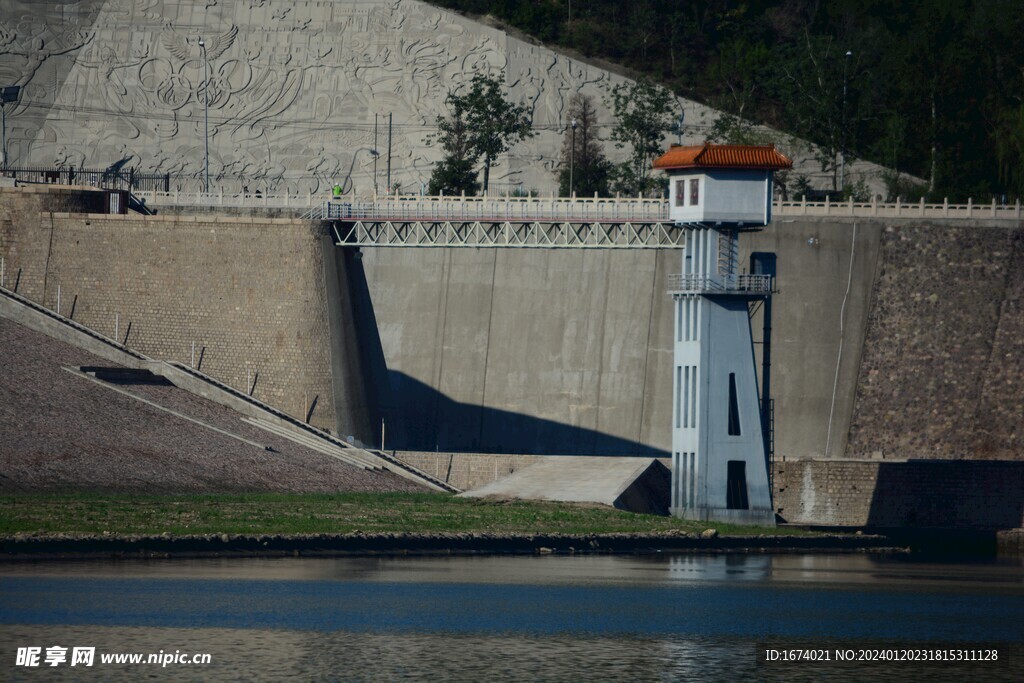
(114, 179)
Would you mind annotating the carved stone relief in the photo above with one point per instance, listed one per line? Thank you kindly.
(290, 89)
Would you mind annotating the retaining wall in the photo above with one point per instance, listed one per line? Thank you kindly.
(952, 494)
(467, 471)
(943, 361)
(250, 293)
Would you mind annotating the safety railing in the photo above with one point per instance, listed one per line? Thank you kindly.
(684, 283)
(497, 209)
(300, 202)
(899, 209)
(595, 209)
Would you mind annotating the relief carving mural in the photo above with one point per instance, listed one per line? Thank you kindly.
(291, 89)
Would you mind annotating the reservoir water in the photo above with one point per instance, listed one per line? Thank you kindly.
(559, 618)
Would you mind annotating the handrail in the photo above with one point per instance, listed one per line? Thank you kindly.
(687, 283)
(596, 209)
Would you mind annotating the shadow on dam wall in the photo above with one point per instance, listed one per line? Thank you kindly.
(948, 494)
(419, 417)
(431, 421)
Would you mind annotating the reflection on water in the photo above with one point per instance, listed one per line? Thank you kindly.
(678, 617)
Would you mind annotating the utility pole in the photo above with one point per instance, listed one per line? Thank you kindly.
(390, 116)
(842, 133)
(375, 154)
(572, 157)
(206, 114)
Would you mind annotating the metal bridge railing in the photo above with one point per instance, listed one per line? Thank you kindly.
(681, 283)
(412, 208)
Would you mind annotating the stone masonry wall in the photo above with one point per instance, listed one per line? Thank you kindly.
(248, 292)
(942, 372)
(954, 494)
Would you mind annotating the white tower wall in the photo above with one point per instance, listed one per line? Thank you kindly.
(717, 441)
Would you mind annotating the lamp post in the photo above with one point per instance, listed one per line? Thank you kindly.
(206, 115)
(8, 94)
(572, 156)
(390, 118)
(842, 133)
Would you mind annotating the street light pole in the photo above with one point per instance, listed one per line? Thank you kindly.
(842, 133)
(206, 114)
(572, 157)
(390, 118)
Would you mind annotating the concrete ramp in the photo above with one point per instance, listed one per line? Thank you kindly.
(633, 484)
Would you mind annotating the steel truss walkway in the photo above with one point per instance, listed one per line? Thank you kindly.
(512, 222)
(508, 233)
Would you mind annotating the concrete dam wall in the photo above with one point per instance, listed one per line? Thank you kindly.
(569, 352)
(891, 339)
(546, 351)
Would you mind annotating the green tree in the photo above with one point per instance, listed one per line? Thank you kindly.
(643, 114)
(455, 173)
(495, 124)
(586, 166)
(809, 83)
(481, 124)
(453, 176)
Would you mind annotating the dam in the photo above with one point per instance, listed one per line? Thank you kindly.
(896, 336)
(896, 347)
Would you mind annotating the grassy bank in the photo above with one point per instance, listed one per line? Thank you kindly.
(266, 513)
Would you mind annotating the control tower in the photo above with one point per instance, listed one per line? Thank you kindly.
(721, 417)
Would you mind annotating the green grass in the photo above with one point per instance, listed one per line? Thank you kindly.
(268, 513)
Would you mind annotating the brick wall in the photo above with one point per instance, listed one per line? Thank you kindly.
(942, 371)
(249, 292)
(959, 494)
(467, 470)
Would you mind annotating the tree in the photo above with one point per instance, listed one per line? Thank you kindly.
(453, 176)
(495, 124)
(455, 173)
(586, 166)
(810, 81)
(481, 124)
(643, 113)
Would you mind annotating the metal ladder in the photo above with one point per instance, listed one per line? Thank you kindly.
(727, 252)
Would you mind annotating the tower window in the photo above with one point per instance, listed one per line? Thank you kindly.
(734, 408)
(694, 191)
(680, 193)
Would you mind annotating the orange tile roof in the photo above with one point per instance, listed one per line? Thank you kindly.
(708, 155)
